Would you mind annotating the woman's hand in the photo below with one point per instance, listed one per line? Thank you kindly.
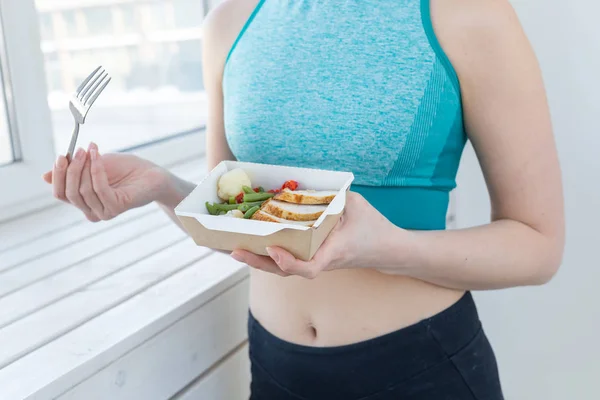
(357, 241)
(105, 186)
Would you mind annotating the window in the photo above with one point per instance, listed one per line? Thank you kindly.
(157, 15)
(98, 20)
(25, 135)
(46, 26)
(188, 13)
(155, 103)
(70, 24)
(152, 50)
(6, 147)
(129, 18)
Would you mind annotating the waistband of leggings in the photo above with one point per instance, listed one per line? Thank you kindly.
(455, 326)
(451, 328)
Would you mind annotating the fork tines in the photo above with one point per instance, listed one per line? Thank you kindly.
(92, 86)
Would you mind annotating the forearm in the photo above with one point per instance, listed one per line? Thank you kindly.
(502, 254)
(173, 191)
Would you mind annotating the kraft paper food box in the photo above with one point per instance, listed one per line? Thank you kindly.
(223, 233)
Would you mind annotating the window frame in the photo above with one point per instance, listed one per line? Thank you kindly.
(29, 114)
(31, 123)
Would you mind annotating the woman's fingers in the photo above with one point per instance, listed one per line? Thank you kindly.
(73, 181)
(59, 174)
(47, 177)
(258, 262)
(86, 190)
(100, 184)
(292, 266)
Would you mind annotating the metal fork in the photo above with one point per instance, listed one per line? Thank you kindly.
(83, 99)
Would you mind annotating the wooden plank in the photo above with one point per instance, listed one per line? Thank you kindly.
(79, 354)
(47, 291)
(43, 267)
(36, 225)
(51, 220)
(55, 320)
(160, 367)
(47, 244)
(230, 379)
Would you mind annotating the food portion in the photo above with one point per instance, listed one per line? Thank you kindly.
(231, 183)
(292, 211)
(286, 204)
(235, 214)
(264, 216)
(306, 196)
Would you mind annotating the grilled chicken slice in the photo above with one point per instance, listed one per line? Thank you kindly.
(294, 212)
(306, 196)
(260, 215)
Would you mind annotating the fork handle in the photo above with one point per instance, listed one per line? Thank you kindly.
(73, 142)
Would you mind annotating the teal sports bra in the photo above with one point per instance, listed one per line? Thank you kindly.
(357, 85)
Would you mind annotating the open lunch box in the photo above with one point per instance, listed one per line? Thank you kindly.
(224, 233)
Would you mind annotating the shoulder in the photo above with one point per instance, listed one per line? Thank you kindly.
(478, 33)
(463, 18)
(221, 28)
(225, 21)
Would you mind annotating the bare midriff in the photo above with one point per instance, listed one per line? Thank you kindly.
(344, 306)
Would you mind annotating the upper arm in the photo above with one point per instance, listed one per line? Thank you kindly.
(506, 113)
(220, 30)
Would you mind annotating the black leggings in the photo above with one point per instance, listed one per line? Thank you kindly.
(445, 357)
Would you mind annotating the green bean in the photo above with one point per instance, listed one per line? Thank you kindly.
(222, 212)
(261, 189)
(211, 208)
(246, 206)
(225, 207)
(232, 200)
(250, 197)
(248, 214)
(247, 189)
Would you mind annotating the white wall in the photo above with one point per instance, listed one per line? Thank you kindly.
(547, 339)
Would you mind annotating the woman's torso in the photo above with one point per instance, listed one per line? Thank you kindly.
(361, 86)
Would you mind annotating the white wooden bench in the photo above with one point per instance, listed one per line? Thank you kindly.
(127, 309)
